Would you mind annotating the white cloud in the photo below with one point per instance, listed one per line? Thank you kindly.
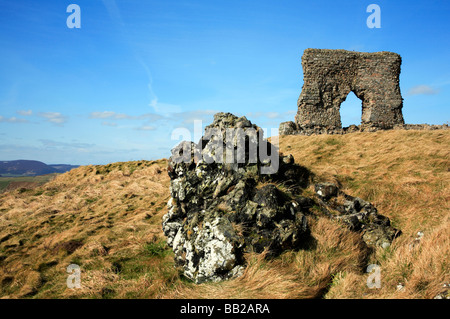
(123, 116)
(107, 115)
(146, 128)
(112, 124)
(12, 120)
(25, 113)
(65, 145)
(423, 90)
(53, 117)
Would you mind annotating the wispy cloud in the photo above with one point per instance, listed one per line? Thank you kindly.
(146, 128)
(189, 117)
(109, 115)
(113, 11)
(270, 115)
(12, 120)
(53, 117)
(423, 90)
(106, 123)
(66, 145)
(25, 113)
(122, 116)
(158, 107)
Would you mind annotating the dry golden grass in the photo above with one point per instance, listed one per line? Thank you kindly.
(107, 219)
(406, 174)
(99, 217)
(420, 267)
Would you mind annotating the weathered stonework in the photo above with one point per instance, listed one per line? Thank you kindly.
(290, 128)
(330, 75)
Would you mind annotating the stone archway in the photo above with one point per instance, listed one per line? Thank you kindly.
(351, 111)
(330, 75)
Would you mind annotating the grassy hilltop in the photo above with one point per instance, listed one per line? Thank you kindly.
(107, 219)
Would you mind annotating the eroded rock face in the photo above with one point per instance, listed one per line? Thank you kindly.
(218, 210)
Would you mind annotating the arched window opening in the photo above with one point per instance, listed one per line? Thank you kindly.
(351, 110)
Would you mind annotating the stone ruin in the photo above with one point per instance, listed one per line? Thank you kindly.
(220, 209)
(330, 75)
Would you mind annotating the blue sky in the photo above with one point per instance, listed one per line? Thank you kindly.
(116, 88)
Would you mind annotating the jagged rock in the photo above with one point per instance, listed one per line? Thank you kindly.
(287, 128)
(218, 209)
(326, 190)
(358, 214)
(227, 199)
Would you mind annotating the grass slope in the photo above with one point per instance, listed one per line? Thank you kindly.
(107, 219)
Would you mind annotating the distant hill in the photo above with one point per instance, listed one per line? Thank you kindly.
(31, 168)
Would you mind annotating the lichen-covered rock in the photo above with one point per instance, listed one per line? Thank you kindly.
(358, 214)
(223, 201)
(232, 193)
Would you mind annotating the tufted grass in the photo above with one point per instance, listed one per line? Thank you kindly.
(107, 219)
(406, 175)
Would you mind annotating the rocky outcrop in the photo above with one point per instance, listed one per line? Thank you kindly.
(227, 200)
(219, 209)
(358, 214)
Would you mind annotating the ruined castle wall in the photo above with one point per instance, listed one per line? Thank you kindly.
(330, 75)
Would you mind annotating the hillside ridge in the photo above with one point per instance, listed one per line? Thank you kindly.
(107, 219)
